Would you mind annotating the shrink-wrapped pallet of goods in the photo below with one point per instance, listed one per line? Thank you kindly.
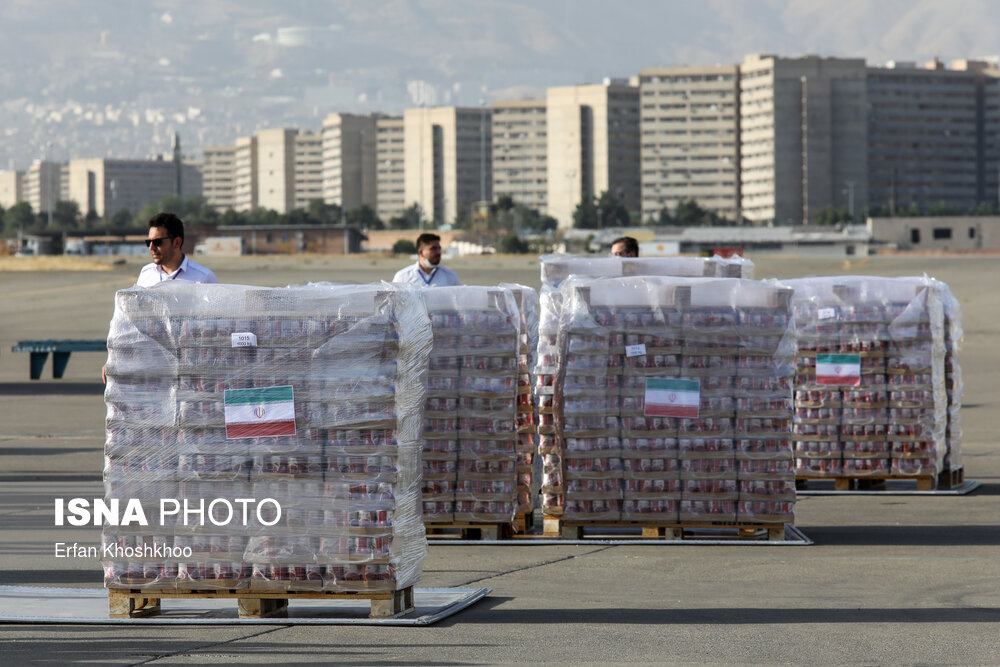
(271, 437)
(877, 386)
(555, 269)
(672, 403)
(471, 439)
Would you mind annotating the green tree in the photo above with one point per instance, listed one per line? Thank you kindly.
(66, 215)
(19, 217)
(690, 214)
(586, 215)
(513, 245)
(404, 247)
(611, 212)
(408, 219)
(322, 213)
(364, 217)
(832, 216)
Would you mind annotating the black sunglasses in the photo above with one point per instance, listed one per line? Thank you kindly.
(157, 242)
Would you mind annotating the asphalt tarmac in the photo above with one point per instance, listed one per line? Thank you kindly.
(896, 579)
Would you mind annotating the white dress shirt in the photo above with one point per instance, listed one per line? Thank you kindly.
(441, 276)
(188, 271)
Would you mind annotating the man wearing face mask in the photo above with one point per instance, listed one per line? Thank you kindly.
(428, 272)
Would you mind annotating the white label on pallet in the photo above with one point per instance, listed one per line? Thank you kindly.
(638, 350)
(827, 313)
(244, 339)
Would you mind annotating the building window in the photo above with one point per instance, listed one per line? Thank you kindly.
(942, 232)
(914, 236)
(972, 232)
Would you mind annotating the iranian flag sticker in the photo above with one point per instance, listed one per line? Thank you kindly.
(254, 413)
(838, 369)
(672, 398)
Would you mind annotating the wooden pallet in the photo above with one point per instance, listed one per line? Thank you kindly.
(557, 527)
(480, 531)
(948, 479)
(138, 602)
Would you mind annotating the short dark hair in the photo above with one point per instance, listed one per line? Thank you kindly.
(631, 245)
(170, 222)
(426, 239)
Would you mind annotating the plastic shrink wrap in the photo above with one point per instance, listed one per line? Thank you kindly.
(557, 268)
(470, 453)
(672, 402)
(308, 399)
(877, 386)
(527, 415)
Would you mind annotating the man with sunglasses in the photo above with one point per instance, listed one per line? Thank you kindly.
(165, 238)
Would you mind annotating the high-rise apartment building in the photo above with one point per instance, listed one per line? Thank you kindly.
(11, 188)
(447, 160)
(276, 169)
(308, 169)
(349, 169)
(803, 137)
(520, 147)
(932, 135)
(245, 184)
(218, 176)
(593, 146)
(390, 198)
(107, 186)
(43, 186)
(689, 124)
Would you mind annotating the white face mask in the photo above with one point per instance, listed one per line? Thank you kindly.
(431, 265)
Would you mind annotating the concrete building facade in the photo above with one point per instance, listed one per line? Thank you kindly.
(275, 172)
(11, 188)
(43, 186)
(218, 176)
(592, 146)
(932, 135)
(307, 172)
(803, 137)
(349, 167)
(245, 175)
(447, 160)
(390, 156)
(107, 187)
(689, 132)
(946, 233)
(520, 147)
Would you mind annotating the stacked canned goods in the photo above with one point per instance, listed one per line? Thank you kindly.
(526, 299)
(470, 433)
(870, 392)
(674, 402)
(601, 430)
(324, 495)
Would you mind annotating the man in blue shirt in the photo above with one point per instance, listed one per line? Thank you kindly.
(427, 272)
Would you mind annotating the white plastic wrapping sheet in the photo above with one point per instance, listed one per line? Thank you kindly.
(671, 402)
(896, 412)
(305, 402)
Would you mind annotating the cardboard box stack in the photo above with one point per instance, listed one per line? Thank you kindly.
(306, 400)
(672, 402)
(470, 437)
(870, 383)
(555, 270)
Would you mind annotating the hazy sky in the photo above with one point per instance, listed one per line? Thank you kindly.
(117, 77)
